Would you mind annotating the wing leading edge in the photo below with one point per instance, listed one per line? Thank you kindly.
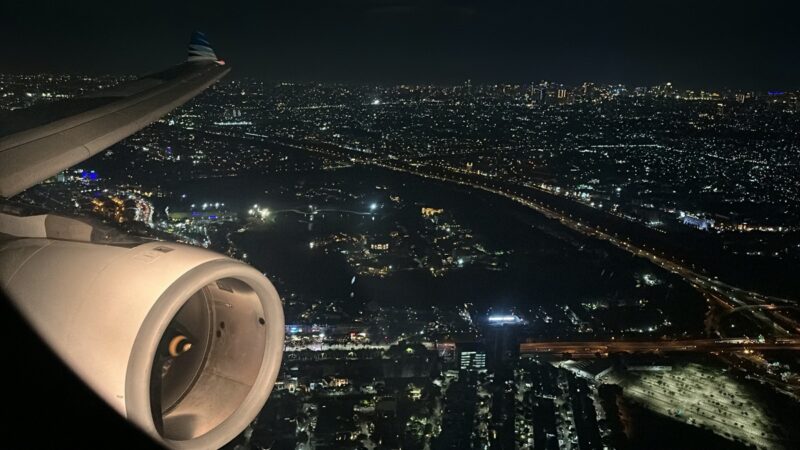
(38, 142)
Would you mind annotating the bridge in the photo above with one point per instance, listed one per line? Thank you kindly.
(764, 306)
(591, 348)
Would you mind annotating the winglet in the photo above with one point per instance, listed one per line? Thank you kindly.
(200, 49)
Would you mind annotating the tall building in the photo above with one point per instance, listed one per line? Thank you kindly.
(471, 356)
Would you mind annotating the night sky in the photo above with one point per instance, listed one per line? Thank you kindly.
(699, 44)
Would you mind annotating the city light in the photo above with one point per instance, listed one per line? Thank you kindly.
(489, 195)
(255, 211)
(504, 319)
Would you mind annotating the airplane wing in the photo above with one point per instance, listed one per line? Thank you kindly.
(183, 342)
(38, 142)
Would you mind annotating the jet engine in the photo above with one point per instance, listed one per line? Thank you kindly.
(183, 342)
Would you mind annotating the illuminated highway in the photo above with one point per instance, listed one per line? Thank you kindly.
(683, 345)
(772, 323)
(769, 321)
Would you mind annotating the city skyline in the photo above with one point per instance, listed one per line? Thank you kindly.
(713, 44)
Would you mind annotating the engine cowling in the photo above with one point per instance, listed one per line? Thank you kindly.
(184, 342)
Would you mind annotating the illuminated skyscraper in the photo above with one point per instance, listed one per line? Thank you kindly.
(471, 356)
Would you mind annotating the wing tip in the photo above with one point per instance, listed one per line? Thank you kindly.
(200, 49)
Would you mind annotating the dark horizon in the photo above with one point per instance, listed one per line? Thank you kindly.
(737, 45)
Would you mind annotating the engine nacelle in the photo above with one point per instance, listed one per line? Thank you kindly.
(183, 342)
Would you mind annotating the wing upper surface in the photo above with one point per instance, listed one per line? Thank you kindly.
(38, 142)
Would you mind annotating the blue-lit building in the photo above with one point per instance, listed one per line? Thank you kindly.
(697, 222)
